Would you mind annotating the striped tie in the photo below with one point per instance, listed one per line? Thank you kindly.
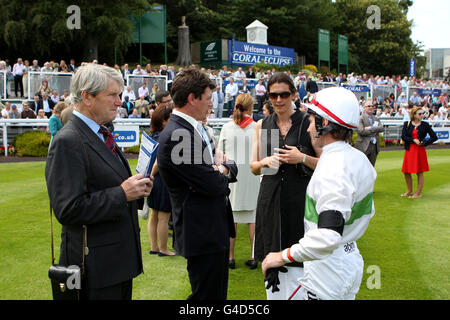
(109, 139)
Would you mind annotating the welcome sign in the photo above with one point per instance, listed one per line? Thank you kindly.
(244, 53)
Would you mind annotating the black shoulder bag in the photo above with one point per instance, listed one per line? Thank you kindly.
(303, 170)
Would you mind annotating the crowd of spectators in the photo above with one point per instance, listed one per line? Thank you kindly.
(141, 104)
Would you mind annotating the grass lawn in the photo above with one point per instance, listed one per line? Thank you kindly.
(406, 241)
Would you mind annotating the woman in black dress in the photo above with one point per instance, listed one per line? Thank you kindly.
(283, 153)
(158, 200)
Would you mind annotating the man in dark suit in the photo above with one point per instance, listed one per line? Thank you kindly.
(369, 128)
(197, 177)
(311, 85)
(128, 105)
(47, 104)
(35, 106)
(89, 183)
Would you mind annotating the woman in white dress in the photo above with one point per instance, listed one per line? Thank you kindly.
(235, 141)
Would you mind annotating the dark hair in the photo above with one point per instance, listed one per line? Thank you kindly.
(281, 77)
(160, 94)
(189, 81)
(161, 114)
(342, 133)
(268, 106)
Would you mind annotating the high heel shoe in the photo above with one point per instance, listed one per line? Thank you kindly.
(406, 194)
(252, 263)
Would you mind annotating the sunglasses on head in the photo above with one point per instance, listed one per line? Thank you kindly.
(283, 95)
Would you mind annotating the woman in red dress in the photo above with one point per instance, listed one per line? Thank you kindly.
(414, 134)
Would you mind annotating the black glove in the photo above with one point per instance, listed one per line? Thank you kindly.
(272, 278)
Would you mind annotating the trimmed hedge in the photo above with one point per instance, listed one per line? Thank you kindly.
(32, 144)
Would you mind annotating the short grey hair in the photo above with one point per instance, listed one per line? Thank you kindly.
(92, 78)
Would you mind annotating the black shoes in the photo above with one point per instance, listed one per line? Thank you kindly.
(253, 264)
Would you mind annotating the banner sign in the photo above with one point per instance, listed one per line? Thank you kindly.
(412, 67)
(323, 47)
(126, 136)
(211, 51)
(244, 53)
(434, 92)
(442, 134)
(251, 83)
(356, 88)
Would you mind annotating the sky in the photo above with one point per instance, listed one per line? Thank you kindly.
(431, 22)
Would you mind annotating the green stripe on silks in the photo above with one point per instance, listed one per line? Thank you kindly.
(359, 209)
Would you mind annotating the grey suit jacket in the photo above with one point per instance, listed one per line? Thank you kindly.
(363, 139)
(83, 181)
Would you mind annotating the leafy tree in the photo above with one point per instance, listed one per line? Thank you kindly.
(377, 51)
(40, 27)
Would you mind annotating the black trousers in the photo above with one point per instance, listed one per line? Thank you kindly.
(371, 153)
(208, 275)
(18, 83)
(121, 291)
(260, 100)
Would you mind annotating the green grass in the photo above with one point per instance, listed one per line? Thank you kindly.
(407, 239)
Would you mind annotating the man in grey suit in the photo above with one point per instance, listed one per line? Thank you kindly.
(90, 184)
(369, 128)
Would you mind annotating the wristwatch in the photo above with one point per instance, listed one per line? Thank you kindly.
(221, 169)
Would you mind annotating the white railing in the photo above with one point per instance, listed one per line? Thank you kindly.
(35, 123)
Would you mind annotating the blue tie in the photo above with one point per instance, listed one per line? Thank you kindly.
(206, 139)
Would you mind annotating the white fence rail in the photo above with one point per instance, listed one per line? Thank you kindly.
(392, 130)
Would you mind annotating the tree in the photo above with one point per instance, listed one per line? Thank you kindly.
(40, 27)
(377, 51)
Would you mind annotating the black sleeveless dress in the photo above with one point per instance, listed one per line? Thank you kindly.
(281, 200)
(159, 198)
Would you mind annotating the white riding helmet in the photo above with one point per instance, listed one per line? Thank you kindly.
(338, 105)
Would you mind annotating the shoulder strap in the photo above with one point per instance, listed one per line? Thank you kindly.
(301, 128)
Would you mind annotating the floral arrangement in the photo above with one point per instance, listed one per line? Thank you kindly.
(11, 150)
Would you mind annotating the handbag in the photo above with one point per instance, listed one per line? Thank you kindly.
(303, 170)
(66, 280)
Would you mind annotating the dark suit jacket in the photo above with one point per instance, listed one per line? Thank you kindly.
(422, 130)
(311, 86)
(33, 106)
(202, 215)
(51, 104)
(124, 105)
(84, 189)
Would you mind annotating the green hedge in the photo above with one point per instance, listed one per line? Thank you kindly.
(32, 144)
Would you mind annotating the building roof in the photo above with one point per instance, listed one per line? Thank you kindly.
(256, 24)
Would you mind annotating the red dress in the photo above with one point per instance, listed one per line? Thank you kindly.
(415, 160)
